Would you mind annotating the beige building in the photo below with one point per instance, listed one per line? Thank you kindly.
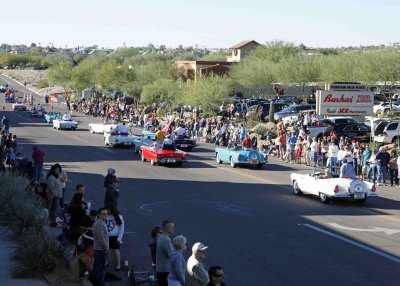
(241, 50)
(194, 69)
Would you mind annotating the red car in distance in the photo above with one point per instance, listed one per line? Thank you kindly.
(162, 154)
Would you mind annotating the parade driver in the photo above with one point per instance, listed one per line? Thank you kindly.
(67, 117)
(180, 131)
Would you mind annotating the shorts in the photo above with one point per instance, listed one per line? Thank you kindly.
(112, 242)
(364, 169)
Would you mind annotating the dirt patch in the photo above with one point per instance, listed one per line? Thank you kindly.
(32, 79)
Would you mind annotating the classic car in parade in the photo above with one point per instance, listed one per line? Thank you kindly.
(332, 188)
(65, 124)
(116, 139)
(159, 153)
(101, 127)
(145, 140)
(50, 116)
(184, 143)
(236, 155)
(37, 111)
(10, 98)
(19, 105)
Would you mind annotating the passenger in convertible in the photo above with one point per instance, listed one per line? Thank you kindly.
(326, 174)
(122, 129)
(168, 144)
(347, 170)
(67, 117)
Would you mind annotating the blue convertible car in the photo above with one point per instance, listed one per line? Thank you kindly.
(236, 155)
(145, 140)
(50, 116)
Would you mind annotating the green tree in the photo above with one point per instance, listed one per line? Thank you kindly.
(343, 68)
(85, 75)
(208, 92)
(299, 70)
(60, 74)
(117, 77)
(219, 56)
(381, 66)
(164, 91)
(54, 59)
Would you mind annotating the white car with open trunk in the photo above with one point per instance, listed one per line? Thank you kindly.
(332, 188)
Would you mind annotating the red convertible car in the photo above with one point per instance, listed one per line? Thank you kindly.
(161, 153)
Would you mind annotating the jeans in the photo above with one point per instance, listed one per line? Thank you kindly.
(162, 278)
(54, 209)
(372, 173)
(394, 173)
(99, 267)
(332, 163)
(38, 171)
(382, 174)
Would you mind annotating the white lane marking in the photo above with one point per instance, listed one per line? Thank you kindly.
(388, 231)
(352, 242)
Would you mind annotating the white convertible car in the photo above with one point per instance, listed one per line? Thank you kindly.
(101, 127)
(332, 188)
(64, 124)
(117, 139)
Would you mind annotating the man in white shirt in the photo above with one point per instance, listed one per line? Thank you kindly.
(332, 155)
(180, 131)
(313, 152)
(123, 129)
(67, 117)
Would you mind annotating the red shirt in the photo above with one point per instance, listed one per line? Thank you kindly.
(246, 143)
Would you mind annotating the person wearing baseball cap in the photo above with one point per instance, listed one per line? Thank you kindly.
(110, 177)
(196, 274)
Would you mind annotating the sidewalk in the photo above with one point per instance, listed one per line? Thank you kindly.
(6, 249)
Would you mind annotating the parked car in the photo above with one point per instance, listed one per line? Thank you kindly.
(292, 110)
(332, 188)
(161, 154)
(387, 131)
(385, 108)
(358, 131)
(342, 119)
(265, 109)
(236, 156)
(287, 99)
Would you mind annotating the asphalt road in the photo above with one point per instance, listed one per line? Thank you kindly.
(256, 229)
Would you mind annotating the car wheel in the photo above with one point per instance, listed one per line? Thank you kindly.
(152, 162)
(259, 166)
(395, 139)
(219, 161)
(296, 189)
(143, 158)
(324, 198)
(361, 201)
(91, 130)
(378, 112)
(233, 165)
(179, 164)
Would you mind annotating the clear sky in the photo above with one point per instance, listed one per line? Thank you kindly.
(209, 23)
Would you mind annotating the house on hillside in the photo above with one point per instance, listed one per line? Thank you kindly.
(194, 69)
(241, 50)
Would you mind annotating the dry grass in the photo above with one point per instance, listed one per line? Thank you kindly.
(32, 78)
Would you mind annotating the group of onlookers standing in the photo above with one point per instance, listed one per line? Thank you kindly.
(169, 262)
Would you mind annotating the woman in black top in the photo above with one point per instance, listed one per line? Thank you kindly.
(77, 211)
